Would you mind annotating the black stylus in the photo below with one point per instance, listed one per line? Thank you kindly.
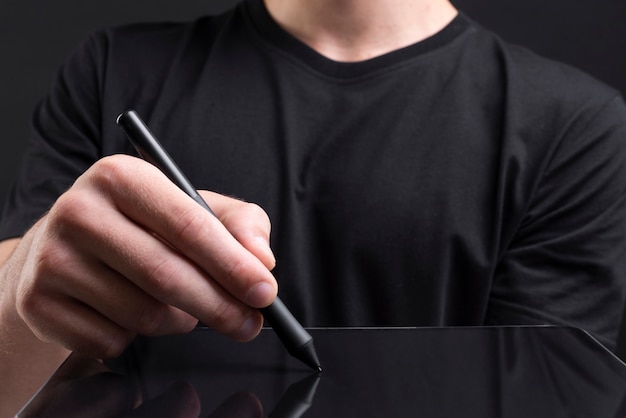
(296, 339)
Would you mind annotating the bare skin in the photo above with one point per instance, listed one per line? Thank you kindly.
(357, 30)
(124, 252)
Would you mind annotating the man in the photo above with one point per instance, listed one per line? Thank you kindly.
(416, 169)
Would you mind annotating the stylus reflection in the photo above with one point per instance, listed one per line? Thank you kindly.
(297, 399)
(85, 387)
(484, 372)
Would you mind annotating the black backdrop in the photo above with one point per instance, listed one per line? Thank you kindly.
(35, 36)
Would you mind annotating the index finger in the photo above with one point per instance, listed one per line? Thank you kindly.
(146, 196)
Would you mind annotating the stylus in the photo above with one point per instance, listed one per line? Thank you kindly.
(296, 339)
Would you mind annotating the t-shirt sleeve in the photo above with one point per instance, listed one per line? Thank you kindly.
(64, 139)
(567, 262)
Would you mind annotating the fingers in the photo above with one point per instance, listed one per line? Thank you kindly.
(247, 222)
(120, 299)
(74, 325)
(241, 404)
(83, 387)
(187, 227)
(180, 400)
(126, 252)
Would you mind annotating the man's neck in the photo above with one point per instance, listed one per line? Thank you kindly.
(356, 30)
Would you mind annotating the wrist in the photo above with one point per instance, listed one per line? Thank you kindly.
(26, 362)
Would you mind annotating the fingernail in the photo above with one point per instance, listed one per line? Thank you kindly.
(249, 329)
(260, 295)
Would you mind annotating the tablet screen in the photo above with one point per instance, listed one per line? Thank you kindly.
(384, 372)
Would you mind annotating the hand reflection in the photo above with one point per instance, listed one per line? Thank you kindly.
(86, 387)
(180, 400)
(240, 405)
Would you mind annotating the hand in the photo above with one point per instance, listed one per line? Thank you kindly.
(84, 387)
(125, 252)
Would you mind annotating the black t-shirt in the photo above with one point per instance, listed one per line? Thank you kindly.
(457, 181)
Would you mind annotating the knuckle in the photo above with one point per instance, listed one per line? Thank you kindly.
(70, 211)
(106, 342)
(31, 305)
(234, 269)
(236, 274)
(75, 217)
(109, 172)
(111, 177)
(113, 346)
(35, 292)
(162, 277)
(52, 262)
(150, 318)
(188, 324)
(255, 211)
(224, 316)
(245, 214)
(254, 215)
(188, 222)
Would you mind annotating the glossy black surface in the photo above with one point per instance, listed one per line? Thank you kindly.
(424, 372)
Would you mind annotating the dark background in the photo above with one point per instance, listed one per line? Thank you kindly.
(35, 36)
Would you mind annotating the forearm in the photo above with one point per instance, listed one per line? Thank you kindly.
(25, 361)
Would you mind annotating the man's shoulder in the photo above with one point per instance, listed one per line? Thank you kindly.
(153, 38)
(545, 78)
(539, 87)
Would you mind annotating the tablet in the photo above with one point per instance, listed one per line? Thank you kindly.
(481, 372)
